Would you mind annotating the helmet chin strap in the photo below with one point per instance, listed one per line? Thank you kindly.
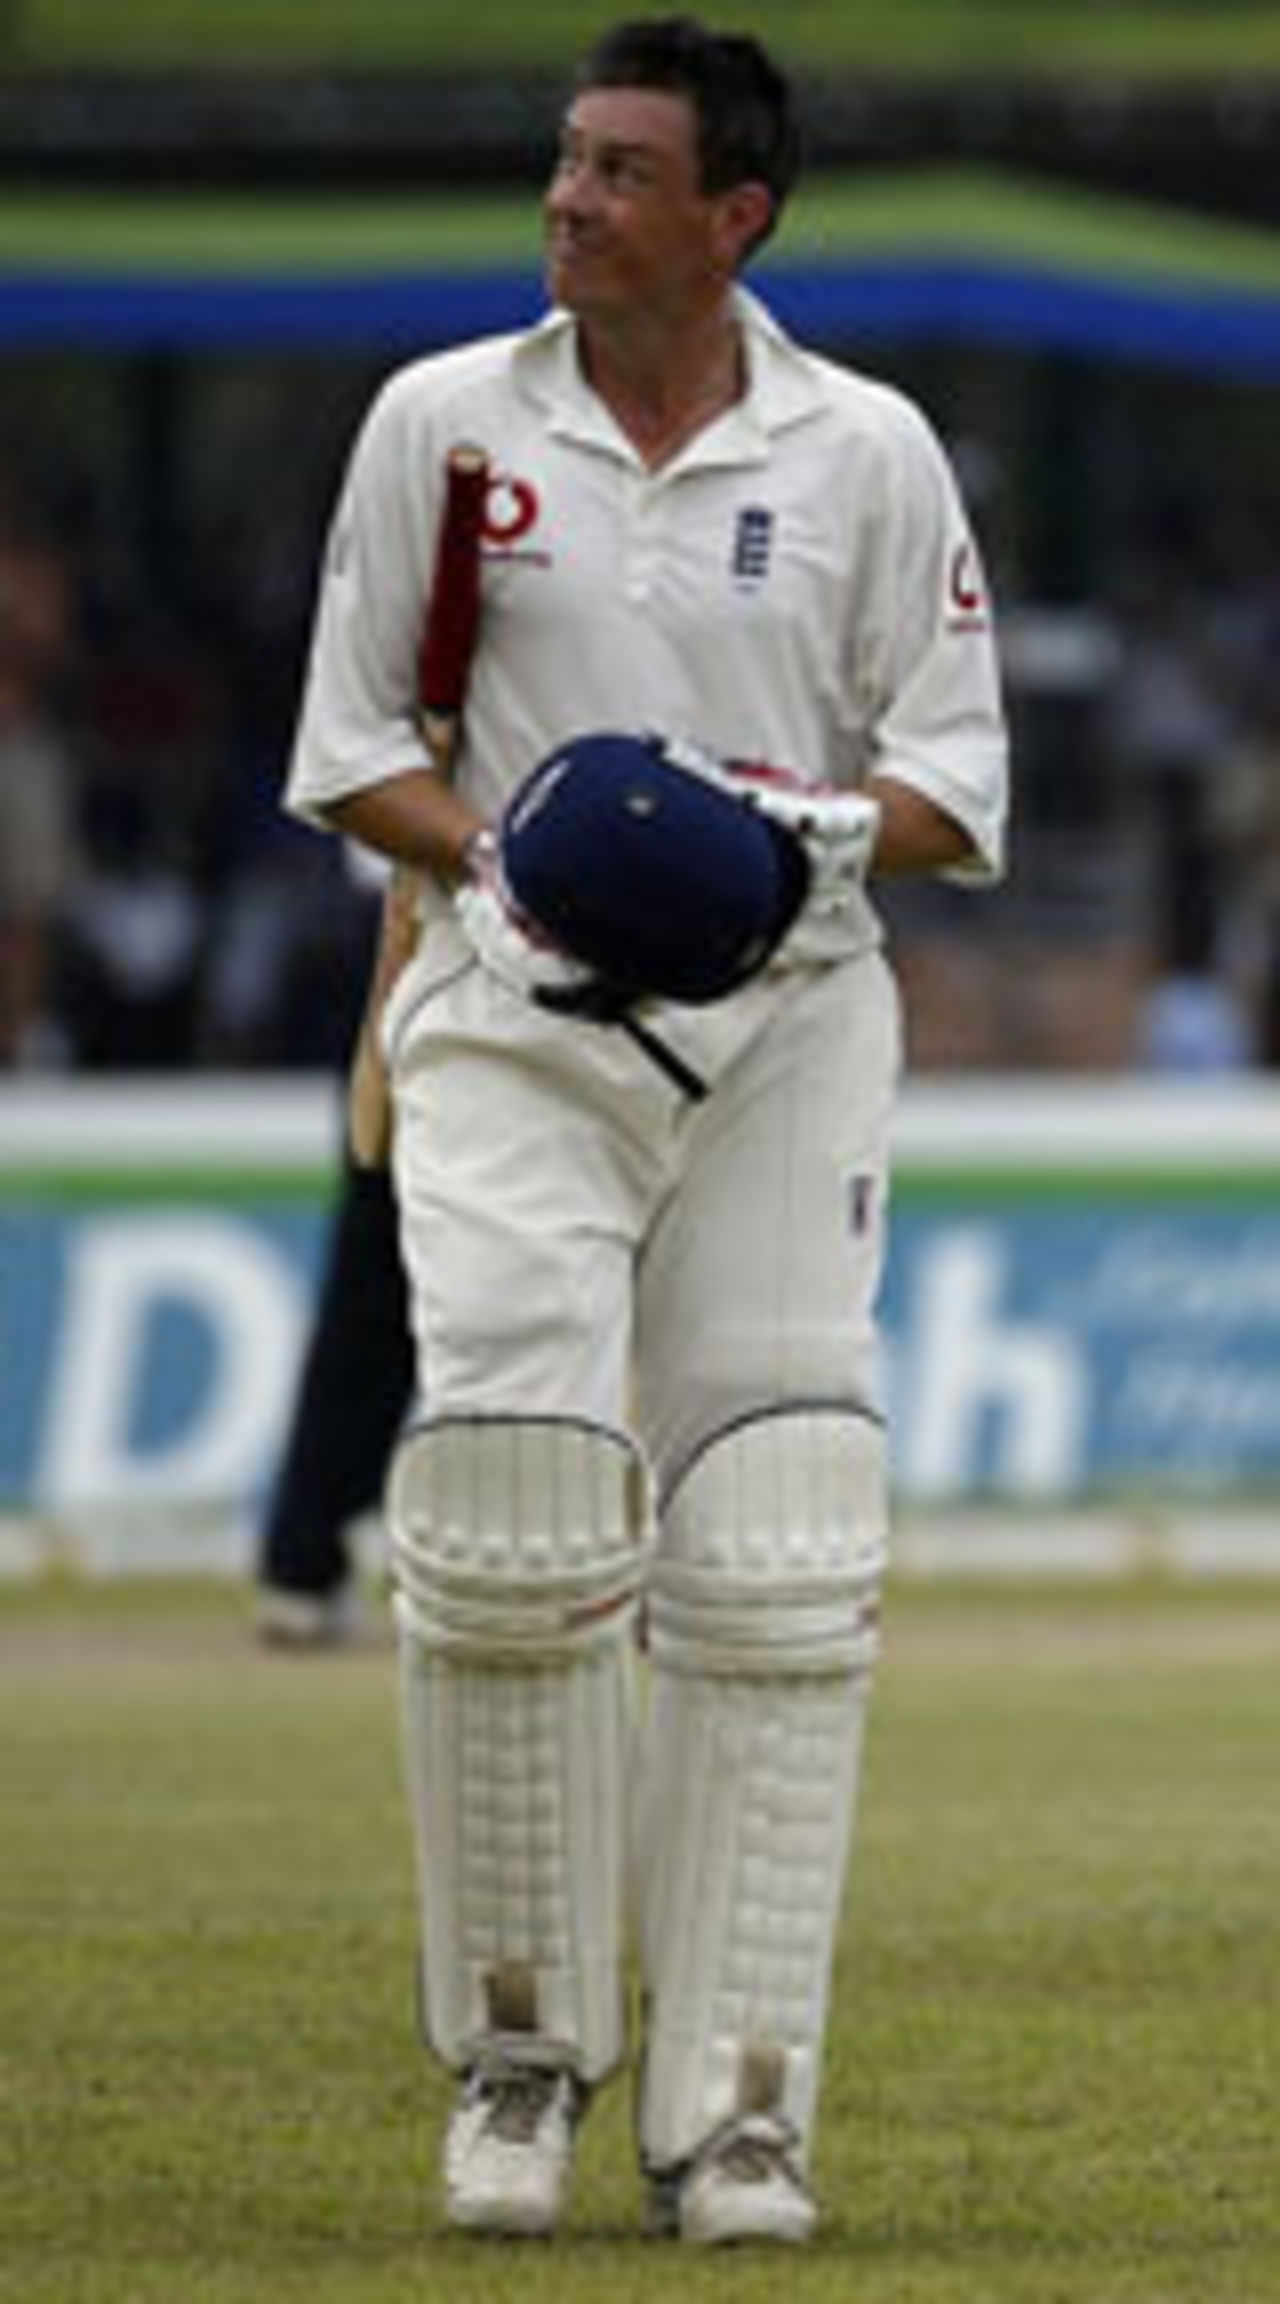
(659, 1052)
(598, 1002)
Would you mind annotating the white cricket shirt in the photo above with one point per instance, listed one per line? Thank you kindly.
(798, 585)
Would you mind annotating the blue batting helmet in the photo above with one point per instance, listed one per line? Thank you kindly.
(659, 881)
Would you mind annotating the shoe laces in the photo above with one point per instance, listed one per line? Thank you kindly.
(754, 2149)
(516, 2098)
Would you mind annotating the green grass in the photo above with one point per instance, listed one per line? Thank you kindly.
(1057, 2026)
(967, 37)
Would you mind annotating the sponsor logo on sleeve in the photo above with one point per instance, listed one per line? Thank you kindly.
(966, 594)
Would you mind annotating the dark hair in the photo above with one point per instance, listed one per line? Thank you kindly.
(741, 101)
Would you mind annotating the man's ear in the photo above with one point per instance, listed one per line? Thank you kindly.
(746, 213)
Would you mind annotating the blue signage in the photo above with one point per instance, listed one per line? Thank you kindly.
(1053, 1347)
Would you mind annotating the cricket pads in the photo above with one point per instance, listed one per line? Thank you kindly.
(517, 1553)
(763, 1611)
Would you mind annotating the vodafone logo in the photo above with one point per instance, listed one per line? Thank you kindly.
(966, 598)
(510, 510)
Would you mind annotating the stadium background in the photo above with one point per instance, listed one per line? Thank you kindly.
(1060, 228)
(1055, 2024)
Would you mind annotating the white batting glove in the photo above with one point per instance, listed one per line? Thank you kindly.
(505, 941)
(837, 830)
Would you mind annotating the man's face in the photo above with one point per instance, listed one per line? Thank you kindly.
(629, 228)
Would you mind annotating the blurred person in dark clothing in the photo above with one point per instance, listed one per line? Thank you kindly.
(353, 1393)
(38, 851)
(133, 944)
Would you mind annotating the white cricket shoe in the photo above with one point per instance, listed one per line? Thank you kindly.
(744, 2184)
(305, 1621)
(509, 2147)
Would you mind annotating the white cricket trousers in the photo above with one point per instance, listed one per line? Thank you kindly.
(582, 1240)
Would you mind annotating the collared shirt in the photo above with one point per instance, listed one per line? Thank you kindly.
(798, 585)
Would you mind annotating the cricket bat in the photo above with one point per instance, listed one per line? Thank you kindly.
(449, 635)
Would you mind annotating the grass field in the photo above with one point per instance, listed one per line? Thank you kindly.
(1057, 2035)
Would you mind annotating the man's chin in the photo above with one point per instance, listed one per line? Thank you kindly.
(564, 285)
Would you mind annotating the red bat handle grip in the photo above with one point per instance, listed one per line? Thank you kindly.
(453, 611)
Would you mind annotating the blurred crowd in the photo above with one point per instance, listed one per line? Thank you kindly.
(157, 912)
(1139, 928)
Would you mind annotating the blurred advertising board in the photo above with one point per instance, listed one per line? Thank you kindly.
(1083, 1296)
(1082, 1300)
